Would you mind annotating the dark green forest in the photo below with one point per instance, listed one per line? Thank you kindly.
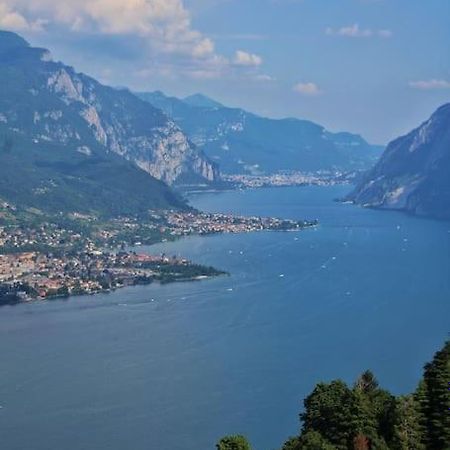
(366, 417)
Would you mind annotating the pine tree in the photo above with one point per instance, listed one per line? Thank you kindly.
(408, 432)
(366, 382)
(421, 402)
(363, 417)
(372, 410)
(329, 411)
(435, 405)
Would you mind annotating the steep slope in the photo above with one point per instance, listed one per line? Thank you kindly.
(50, 102)
(55, 178)
(413, 174)
(54, 151)
(242, 142)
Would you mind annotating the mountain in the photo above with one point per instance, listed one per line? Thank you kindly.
(68, 143)
(55, 178)
(201, 101)
(50, 102)
(242, 142)
(413, 175)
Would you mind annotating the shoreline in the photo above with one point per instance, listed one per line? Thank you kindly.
(143, 273)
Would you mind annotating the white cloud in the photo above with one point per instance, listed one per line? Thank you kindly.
(169, 41)
(13, 20)
(430, 84)
(242, 58)
(307, 88)
(355, 31)
(166, 24)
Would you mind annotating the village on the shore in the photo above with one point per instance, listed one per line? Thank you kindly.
(84, 256)
(290, 178)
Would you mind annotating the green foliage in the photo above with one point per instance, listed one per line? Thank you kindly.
(233, 443)
(408, 433)
(329, 410)
(292, 443)
(369, 418)
(312, 440)
(434, 397)
(366, 382)
(54, 179)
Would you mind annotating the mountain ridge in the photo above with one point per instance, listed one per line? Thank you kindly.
(201, 101)
(68, 143)
(118, 120)
(243, 142)
(414, 172)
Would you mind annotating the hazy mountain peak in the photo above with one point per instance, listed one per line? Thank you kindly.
(242, 142)
(202, 101)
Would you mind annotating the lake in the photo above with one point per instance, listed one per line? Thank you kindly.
(175, 367)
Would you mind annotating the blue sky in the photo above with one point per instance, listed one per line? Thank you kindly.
(375, 67)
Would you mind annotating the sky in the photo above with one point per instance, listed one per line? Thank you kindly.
(375, 67)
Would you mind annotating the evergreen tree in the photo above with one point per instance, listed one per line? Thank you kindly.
(366, 417)
(237, 442)
(408, 432)
(308, 441)
(421, 402)
(329, 410)
(363, 419)
(435, 405)
(292, 443)
(376, 409)
(366, 382)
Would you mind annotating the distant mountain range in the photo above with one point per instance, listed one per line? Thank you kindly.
(413, 175)
(66, 141)
(242, 142)
(69, 143)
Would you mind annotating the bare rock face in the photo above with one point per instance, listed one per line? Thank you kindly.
(413, 175)
(62, 106)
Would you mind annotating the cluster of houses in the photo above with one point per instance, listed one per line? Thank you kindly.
(207, 223)
(45, 235)
(291, 178)
(87, 272)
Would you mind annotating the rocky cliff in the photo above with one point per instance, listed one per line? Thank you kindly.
(50, 102)
(68, 144)
(413, 175)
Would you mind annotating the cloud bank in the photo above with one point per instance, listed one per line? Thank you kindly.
(163, 26)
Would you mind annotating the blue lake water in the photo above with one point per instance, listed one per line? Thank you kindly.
(175, 367)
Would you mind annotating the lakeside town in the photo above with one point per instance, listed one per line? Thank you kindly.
(290, 178)
(80, 254)
(31, 275)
